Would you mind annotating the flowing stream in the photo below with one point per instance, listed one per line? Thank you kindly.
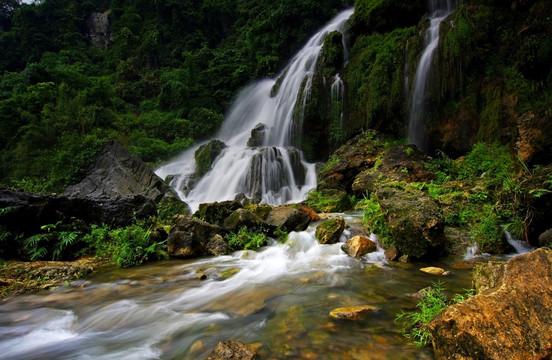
(439, 10)
(274, 172)
(279, 296)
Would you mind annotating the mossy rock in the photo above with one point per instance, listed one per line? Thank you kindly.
(329, 200)
(206, 155)
(332, 54)
(170, 206)
(217, 212)
(329, 231)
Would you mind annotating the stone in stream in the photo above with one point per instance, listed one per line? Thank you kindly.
(329, 231)
(510, 318)
(233, 350)
(358, 312)
(358, 246)
(434, 270)
(288, 218)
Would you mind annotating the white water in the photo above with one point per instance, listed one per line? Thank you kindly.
(520, 246)
(273, 173)
(439, 10)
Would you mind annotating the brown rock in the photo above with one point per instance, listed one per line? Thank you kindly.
(288, 219)
(358, 246)
(352, 312)
(189, 237)
(233, 350)
(392, 253)
(509, 319)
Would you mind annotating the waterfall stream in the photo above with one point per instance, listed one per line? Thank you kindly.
(274, 172)
(439, 10)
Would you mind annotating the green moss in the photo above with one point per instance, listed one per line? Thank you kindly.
(206, 154)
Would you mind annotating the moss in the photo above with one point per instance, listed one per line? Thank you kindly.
(332, 54)
(206, 154)
(329, 231)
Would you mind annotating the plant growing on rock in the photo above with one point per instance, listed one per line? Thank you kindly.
(247, 240)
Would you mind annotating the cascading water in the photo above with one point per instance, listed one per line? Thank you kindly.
(439, 10)
(273, 172)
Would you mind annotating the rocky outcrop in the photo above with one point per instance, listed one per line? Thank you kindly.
(233, 350)
(329, 231)
(257, 135)
(206, 155)
(510, 318)
(116, 173)
(358, 246)
(190, 237)
(288, 219)
(26, 213)
(98, 29)
(414, 220)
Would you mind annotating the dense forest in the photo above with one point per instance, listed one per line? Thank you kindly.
(157, 80)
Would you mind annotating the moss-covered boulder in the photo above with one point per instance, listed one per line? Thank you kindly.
(206, 154)
(241, 218)
(332, 54)
(330, 230)
(216, 212)
(414, 220)
(329, 200)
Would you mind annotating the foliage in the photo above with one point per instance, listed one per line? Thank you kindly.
(52, 242)
(374, 219)
(434, 300)
(329, 200)
(247, 240)
(487, 161)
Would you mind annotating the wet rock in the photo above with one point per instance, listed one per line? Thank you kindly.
(241, 218)
(257, 135)
(421, 294)
(414, 220)
(206, 154)
(432, 270)
(310, 212)
(260, 210)
(392, 253)
(217, 246)
(216, 212)
(118, 173)
(545, 239)
(358, 246)
(510, 318)
(288, 219)
(334, 201)
(233, 350)
(189, 237)
(358, 312)
(329, 231)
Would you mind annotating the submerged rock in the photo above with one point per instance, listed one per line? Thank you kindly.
(358, 312)
(233, 350)
(329, 231)
(509, 319)
(358, 246)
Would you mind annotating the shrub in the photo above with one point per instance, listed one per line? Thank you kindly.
(247, 240)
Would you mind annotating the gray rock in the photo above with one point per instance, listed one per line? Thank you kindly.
(288, 219)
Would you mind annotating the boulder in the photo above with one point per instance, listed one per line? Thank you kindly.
(189, 237)
(329, 231)
(432, 270)
(392, 253)
(288, 219)
(206, 154)
(241, 218)
(233, 350)
(414, 220)
(217, 246)
(257, 135)
(510, 318)
(333, 200)
(117, 173)
(358, 246)
(216, 212)
(545, 239)
(357, 312)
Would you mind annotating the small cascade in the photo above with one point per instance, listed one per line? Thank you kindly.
(272, 171)
(337, 92)
(520, 246)
(438, 10)
(472, 252)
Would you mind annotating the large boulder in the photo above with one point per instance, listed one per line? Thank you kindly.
(509, 319)
(243, 218)
(329, 231)
(288, 219)
(216, 212)
(358, 246)
(115, 173)
(190, 237)
(414, 220)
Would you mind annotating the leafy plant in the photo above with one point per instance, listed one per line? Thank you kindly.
(374, 219)
(247, 240)
(414, 324)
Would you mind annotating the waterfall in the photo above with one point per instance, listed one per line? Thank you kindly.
(273, 172)
(439, 10)
(337, 94)
(520, 246)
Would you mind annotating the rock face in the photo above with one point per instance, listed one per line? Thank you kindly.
(27, 212)
(358, 246)
(414, 220)
(191, 237)
(99, 30)
(117, 172)
(509, 319)
(233, 350)
(329, 231)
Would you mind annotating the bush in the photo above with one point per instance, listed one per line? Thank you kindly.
(247, 240)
